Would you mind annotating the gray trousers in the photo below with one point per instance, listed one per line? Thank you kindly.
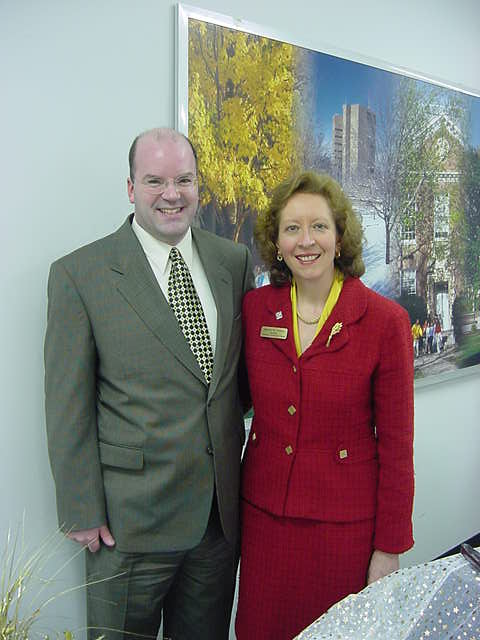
(194, 589)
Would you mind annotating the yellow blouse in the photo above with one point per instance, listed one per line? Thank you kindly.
(331, 301)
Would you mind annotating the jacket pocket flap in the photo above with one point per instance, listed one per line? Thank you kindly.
(359, 451)
(118, 456)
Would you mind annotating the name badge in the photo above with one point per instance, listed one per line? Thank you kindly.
(277, 333)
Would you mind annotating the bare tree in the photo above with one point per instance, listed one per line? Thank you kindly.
(406, 159)
(312, 149)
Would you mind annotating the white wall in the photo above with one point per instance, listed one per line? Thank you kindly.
(80, 79)
(447, 451)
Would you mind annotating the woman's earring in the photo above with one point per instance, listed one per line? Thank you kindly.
(279, 256)
(337, 252)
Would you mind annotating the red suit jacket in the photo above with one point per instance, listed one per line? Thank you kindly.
(332, 435)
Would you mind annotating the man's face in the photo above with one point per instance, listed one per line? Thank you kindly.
(164, 190)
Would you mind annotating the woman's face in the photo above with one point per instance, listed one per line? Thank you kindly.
(307, 237)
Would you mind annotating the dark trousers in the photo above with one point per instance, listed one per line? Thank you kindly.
(193, 588)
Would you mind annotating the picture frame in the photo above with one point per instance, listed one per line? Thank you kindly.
(418, 250)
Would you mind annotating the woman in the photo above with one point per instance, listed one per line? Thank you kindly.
(417, 333)
(327, 484)
(438, 335)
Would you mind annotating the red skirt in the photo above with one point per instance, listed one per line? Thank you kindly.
(292, 570)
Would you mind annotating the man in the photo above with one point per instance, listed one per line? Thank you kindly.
(144, 419)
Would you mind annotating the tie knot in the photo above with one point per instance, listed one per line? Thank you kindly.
(175, 255)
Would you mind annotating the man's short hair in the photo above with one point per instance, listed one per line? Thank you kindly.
(159, 133)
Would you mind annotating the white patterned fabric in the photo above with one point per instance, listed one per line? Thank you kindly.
(188, 310)
(439, 600)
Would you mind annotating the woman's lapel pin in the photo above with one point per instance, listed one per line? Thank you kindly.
(337, 327)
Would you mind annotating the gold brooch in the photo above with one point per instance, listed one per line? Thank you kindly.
(337, 327)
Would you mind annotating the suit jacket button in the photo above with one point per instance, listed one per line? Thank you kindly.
(289, 450)
(254, 436)
(291, 410)
(210, 450)
(342, 454)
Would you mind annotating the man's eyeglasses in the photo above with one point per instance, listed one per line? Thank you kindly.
(160, 185)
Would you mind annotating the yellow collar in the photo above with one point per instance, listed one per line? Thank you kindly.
(331, 301)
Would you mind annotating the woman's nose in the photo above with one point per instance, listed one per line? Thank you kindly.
(306, 239)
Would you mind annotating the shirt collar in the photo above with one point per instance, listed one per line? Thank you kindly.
(159, 251)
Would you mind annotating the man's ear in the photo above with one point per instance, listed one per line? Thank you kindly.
(131, 190)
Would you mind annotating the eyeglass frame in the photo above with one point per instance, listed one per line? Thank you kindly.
(164, 183)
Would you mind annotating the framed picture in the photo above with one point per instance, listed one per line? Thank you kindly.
(405, 149)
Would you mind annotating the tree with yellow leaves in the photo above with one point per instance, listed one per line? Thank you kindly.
(242, 97)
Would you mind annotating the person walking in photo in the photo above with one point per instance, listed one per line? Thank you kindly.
(417, 333)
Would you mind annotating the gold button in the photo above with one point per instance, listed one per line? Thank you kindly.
(343, 453)
(254, 436)
(294, 369)
(291, 410)
(289, 450)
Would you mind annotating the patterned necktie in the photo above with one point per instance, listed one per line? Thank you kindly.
(187, 307)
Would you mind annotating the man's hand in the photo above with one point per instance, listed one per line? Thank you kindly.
(92, 538)
(381, 564)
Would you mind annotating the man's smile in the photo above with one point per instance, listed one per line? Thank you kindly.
(169, 210)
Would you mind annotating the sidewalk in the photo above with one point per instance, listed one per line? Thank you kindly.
(428, 364)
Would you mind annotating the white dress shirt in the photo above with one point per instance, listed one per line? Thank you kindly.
(158, 256)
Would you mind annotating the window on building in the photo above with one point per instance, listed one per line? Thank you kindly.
(408, 223)
(408, 230)
(409, 282)
(441, 215)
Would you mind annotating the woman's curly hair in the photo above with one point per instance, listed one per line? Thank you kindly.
(348, 227)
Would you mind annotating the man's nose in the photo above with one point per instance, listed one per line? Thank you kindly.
(171, 191)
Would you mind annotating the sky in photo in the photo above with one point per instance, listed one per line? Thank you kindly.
(337, 81)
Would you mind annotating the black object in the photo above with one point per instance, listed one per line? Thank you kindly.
(471, 555)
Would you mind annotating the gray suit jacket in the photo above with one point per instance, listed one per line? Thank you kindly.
(136, 437)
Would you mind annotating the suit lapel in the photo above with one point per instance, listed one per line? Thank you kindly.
(136, 282)
(350, 307)
(220, 281)
(279, 315)
(335, 333)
